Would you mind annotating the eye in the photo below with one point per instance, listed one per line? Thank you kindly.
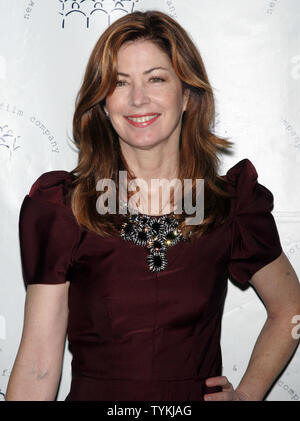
(120, 82)
(157, 79)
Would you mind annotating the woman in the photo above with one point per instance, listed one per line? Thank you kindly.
(141, 295)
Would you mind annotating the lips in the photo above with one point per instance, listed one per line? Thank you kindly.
(142, 115)
(145, 120)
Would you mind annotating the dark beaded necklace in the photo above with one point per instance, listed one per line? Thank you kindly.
(157, 233)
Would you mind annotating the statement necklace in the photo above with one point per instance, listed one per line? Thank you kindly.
(157, 233)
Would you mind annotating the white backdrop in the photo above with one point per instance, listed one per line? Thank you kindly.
(251, 50)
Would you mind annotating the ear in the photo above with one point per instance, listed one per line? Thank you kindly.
(186, 96)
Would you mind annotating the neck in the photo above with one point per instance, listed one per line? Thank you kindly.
(147, 164)
(151, 169)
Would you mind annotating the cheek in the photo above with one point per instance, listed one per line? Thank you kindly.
(115, 103)
(171, 100)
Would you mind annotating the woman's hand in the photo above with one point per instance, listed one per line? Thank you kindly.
(228, 393)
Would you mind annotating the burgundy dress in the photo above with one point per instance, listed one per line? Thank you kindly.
(136, 334)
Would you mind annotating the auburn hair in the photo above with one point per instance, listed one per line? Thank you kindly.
(100, 155)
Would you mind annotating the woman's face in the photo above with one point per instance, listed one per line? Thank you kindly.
(147, 104)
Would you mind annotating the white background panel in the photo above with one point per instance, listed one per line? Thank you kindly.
(251, 50)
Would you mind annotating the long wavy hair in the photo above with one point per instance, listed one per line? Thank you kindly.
(100, 155)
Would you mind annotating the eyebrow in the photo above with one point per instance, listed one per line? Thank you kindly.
(145, 72)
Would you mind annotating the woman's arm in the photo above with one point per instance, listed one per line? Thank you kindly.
(37, 368)
(278, 286)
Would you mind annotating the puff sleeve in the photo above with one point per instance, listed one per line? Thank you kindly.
(255, 240)
(48, 230)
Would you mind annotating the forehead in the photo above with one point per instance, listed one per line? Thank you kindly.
(140, 53)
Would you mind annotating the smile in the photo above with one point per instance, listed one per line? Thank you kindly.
(142, 121)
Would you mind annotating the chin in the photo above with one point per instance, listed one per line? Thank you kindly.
(145, 145)
(142, 143)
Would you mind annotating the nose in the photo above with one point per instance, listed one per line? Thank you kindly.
(138, 95)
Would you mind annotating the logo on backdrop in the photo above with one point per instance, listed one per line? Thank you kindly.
(292, 133)
(271, 6)
(9, 141)
(86, 9)
(289, 390)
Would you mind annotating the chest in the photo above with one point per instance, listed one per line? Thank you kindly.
(111, 279)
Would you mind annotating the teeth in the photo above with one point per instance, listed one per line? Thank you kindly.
(142, 119)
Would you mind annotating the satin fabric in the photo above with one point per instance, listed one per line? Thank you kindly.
(135, 334)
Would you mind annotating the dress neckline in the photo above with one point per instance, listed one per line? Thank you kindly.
(165, 215)
(155, 216)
